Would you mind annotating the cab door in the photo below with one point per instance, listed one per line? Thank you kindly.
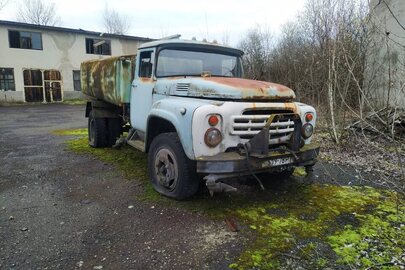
(142, 89)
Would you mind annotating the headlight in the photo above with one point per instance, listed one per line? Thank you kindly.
(307, 131)
(212, 137)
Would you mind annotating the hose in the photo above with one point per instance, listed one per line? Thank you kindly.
(243, 145)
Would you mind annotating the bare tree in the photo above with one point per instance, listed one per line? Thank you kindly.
(37, 12)
(114, 23)
(257, 46)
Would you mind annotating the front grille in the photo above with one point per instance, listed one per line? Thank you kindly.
(182, 86)
(251, 122)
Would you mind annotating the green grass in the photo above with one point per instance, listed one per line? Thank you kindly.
(71, 132)
(75, 102)
(360, 226)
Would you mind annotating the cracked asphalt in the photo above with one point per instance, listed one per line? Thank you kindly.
(60, 210)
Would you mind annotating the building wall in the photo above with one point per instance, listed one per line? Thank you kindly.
(385, 63)
(62, 51)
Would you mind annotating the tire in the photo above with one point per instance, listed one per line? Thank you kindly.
(114, 130)
(171, 172)
(97, 131)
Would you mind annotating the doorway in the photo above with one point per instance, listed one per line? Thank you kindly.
(42, 85)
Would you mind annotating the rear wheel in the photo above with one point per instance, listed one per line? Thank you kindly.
(171, 172)
(114, 130)
(97, 131)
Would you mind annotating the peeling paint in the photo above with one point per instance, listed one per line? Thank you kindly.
(109, 79)
(227, 88)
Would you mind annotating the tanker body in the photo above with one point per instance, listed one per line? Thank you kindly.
(108, 79)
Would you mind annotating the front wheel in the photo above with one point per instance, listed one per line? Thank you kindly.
(171, 172)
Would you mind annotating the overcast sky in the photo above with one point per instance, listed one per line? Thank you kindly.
(211, 19)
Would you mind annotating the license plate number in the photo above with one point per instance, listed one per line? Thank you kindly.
(277, 162)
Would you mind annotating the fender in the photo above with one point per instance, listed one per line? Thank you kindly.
(102, 109)
(179, 112)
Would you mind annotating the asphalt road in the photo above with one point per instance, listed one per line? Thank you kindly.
(59, 210)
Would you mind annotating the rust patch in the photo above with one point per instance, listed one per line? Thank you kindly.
(292, 107)
(248, 84)
(174, 78)
(100, 78)
(146, 80)
(263, 97)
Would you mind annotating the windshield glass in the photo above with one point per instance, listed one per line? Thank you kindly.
(173, 62)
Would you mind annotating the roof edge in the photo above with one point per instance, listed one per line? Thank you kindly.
(71, 30)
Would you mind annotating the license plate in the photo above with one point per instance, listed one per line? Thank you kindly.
(277, 162)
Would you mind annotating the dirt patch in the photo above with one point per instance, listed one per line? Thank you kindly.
(372, 160)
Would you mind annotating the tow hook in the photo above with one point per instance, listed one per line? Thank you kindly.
(217, 187)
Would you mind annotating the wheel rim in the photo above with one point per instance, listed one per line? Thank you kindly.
(166, 169)
(91, 131)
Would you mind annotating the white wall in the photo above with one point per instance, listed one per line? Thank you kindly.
(62, 51)
(385, 63)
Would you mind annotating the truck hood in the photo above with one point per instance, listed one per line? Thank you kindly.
(224, 88)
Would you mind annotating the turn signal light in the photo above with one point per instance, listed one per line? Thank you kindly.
(309, 117)
(213, 120)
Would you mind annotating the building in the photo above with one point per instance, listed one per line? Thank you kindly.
(385, 61)
(42, 63)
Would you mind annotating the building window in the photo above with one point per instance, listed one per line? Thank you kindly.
(33, 85)
(25, 40)
(42, 86)
(7, 79)
(98, 46)
(76, 80)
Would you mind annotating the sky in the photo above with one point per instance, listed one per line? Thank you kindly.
(223, 20)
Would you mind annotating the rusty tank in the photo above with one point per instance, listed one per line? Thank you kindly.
(108, 79)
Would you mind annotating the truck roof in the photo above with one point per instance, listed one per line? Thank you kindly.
(179, 43)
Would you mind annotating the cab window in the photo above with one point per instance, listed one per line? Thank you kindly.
(145, 65)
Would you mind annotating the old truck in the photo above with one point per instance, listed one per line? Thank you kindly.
(187, 105)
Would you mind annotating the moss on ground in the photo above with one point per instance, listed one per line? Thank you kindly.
(71, 132)
(317, 225)
(300, 171)
(314, 212)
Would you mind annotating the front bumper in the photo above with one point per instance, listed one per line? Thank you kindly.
(235, 162)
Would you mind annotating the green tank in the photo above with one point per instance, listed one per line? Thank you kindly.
(108, 79)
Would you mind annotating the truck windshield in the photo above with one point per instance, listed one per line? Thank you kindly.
(173, 62)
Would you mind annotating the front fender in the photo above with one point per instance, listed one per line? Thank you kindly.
(179, 112)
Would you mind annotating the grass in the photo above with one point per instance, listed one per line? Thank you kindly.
(75, 101)
(316, 225)
(71, 132)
